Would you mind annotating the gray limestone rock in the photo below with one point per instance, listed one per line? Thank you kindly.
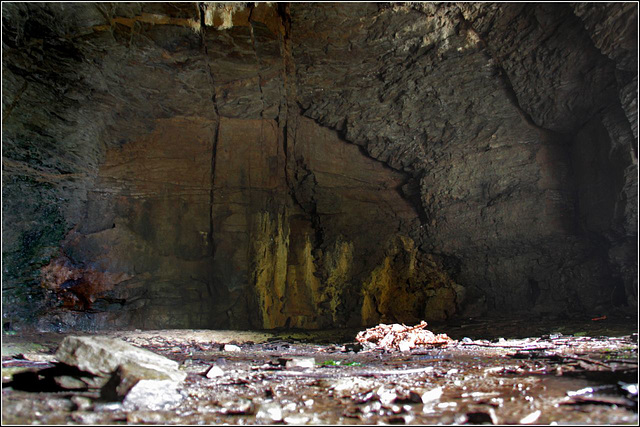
(153, 395)
(104, 356)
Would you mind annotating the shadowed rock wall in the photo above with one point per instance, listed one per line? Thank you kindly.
(316, 165)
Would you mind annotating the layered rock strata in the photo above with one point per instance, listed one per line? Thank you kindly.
(316, 165)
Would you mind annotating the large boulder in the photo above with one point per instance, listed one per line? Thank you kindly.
(120, 364)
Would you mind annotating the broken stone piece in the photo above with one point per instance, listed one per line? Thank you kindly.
(102, 356)
(231, 347)
(214, 372)
(385, 395)
(404, 346)
(344, 387)
(432, 395)
(153, 395)
(70, 383)
(297, 419)
(301, 362)
(126, 377)
(531, 418)
(270, 412)
(37, 357)
(238, 407)
(82, 403)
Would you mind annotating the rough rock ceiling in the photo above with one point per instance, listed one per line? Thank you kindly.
(316, 164)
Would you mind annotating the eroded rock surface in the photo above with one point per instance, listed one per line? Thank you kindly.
(316, 165)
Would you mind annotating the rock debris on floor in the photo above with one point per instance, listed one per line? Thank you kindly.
(195, 377)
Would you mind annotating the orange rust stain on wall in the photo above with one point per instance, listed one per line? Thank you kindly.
(77, 288)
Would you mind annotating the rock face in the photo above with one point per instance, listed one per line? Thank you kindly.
(316, 165)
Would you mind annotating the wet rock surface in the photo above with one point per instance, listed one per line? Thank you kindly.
(316, 165)
(585, 374)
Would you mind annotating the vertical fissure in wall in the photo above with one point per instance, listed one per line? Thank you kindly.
(287, 115)
(214, 144)
(255, 53)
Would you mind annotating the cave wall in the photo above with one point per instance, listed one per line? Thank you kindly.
(316, 165)
(493, 148)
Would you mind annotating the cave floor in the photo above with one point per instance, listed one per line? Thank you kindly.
(496, 371)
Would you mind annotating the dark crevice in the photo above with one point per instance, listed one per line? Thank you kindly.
(255, 52)
(214, 143)
(295, 172)
(201, 9)
(214, 152)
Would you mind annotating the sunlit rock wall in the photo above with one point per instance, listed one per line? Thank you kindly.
(316, 165)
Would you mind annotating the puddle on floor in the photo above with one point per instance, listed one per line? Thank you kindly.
(547, 378)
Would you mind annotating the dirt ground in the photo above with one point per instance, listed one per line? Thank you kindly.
(499, 371)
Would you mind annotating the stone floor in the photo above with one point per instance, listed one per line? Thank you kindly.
(499, 371)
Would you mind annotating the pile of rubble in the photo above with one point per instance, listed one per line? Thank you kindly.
(400, 337)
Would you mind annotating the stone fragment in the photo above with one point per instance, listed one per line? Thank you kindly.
(404, 346)
(374, 406)
(69, 382)
(238, 407)
(301, 362)
(91, 418)
(153, 395)
(344, 387)
(126, 377)
(94, 382)
(269, 412)
(153, 417)
(82, 403)
(231, 347)
(385, 395)
(531, 418)
(102, 356)
(108, 406)
(297, 419)
(432, 395)
(38, 357)
(214, 372)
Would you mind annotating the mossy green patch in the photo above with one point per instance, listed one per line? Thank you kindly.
(35, 241)
(338, 363)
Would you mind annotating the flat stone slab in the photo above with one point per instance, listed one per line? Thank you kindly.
(102, 356)
(301, 362)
